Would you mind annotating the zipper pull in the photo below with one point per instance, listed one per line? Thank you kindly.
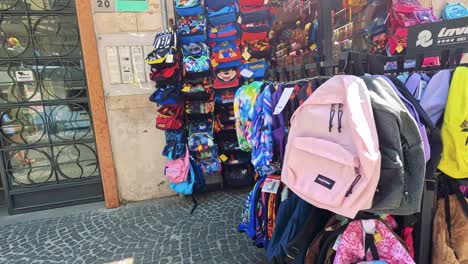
(332, 115)
(356, 180)
(340, 115)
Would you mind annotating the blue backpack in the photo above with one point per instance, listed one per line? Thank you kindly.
(188, 7)
(167, 95)
(225, 15)
(195, 183)
(218, 4)
(176, 140)
(248, 218)
(453, 11)
(257, 67)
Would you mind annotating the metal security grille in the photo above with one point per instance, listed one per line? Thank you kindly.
(48, 152)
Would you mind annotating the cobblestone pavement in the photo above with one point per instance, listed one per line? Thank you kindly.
(158, 231)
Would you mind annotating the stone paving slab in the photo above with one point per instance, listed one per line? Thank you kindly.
(158, 231)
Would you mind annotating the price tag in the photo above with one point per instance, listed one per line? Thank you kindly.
(377, 237)
(185, 89)
(223, 158)
(246, 73)
(214, 30)
(170, 58)
(270, 185)
(313, 47)
(283, 100)
(214, 63)
(246, 55)
(399, 48)
(104, 6)
(239, 20)
(337, 243)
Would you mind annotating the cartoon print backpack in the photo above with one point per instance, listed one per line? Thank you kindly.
(226, 77)
(371, 240)
(224, 32)
(196, 60)
(454, 160)
(191, 28)
(188, 7)
(164, 50)
(334, 162)
(453, 11)
(258, 68)
(226, 54)
(175, 143)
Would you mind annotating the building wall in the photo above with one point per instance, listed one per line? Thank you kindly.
(136, 143)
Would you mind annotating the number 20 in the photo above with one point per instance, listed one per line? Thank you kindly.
(104, 3)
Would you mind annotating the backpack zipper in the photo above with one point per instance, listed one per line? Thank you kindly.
(340, 115)
(405, 147)
(356, 180)
(332, 116)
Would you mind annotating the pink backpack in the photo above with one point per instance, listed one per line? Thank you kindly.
(332, 156)
(375, 236)
(177, 170)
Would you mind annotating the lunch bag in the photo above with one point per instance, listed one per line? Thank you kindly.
(224, 32)
(453, 11)
(226, 77)
(225, 15)
(191, 28)
(188, 7)
(226, 54)
(170, 117)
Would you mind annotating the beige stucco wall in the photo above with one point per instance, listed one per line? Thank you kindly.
(136, 143)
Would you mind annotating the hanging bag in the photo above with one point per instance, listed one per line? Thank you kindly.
(224, 32)
(177, 169)
(225, 15)
(169, 117)
(188, 7)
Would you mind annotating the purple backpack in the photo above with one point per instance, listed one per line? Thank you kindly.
(278, 128)
(434, 96)
(413, 112)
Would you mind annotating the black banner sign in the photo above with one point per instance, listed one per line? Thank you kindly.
(433, 38)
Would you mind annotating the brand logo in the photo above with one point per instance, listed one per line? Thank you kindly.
(424, 39)
(464, 126)
(453, 32)
(324, 181)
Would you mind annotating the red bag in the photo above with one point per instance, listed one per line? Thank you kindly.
(169, 117)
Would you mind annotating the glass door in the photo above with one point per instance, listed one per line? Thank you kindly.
(48, 152)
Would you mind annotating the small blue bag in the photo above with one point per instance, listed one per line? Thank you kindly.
(453, 11)
(257, 67)
(218, 4)
(225, 15)
(188, 7)
(186, 187)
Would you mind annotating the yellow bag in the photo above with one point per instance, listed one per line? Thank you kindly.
(454, 160)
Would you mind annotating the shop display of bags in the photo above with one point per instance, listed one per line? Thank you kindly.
(339, 165)
(454, 11)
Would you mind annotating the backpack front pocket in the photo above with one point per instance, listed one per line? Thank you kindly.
(321, 170)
